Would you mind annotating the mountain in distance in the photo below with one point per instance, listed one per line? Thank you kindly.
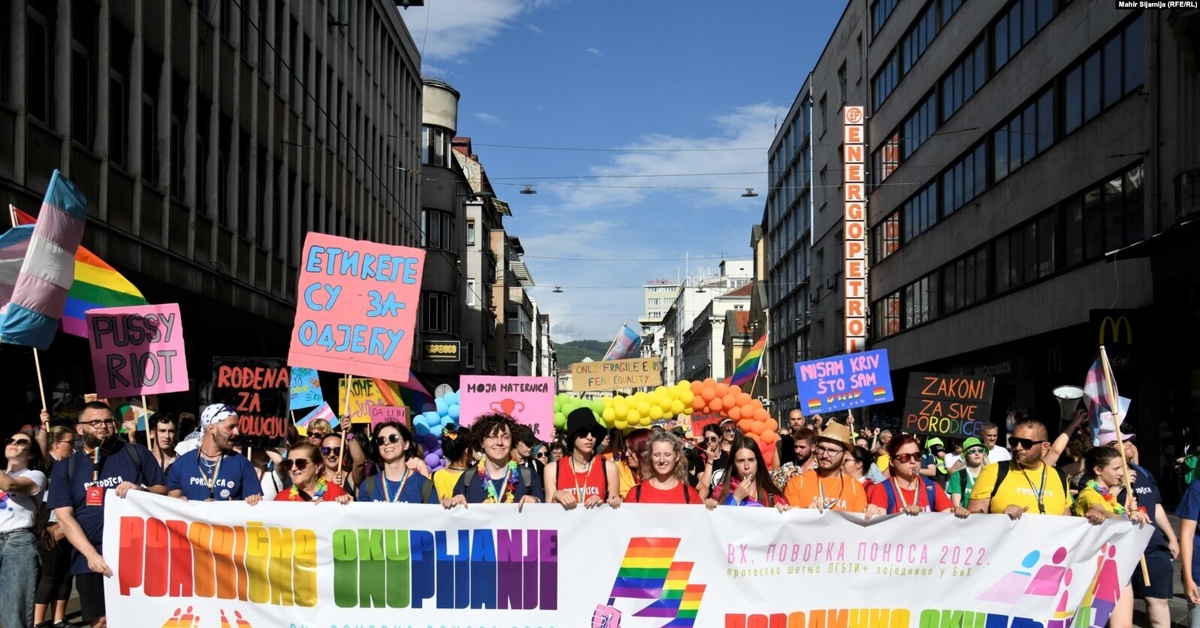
(568, 353)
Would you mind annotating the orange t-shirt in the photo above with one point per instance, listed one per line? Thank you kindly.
(840, 493)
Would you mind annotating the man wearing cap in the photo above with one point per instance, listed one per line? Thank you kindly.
(105, 466)
(826, 487)
(581, 476)
(1024, 484)
(1163, 547)
(213, 471)
(523, 452)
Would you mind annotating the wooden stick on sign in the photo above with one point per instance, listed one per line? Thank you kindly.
(1116, 414)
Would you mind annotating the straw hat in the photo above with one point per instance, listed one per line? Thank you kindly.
(838, 434)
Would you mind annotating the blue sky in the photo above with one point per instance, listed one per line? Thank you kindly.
(640, 123)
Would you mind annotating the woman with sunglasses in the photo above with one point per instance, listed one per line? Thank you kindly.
(303, 465)
(54, 551)
(353, 461)
(746, 481)
(907, 491)
(583, 477)
(962, 480)
(23, 478)
(629, 460)
(497, 478)
(663, 470)
(396, 481)
(318, 429)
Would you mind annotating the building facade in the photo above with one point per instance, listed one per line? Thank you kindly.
(1032, 176)
(209, 137)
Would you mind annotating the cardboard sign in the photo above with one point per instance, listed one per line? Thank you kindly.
(364, 395)
(383, 414)
(137, 350)
(616, 374)
(701, 421)
(357, 307)
(947, 405)
(306, 389)
(260, 389)
(843, 382)
(529, 400)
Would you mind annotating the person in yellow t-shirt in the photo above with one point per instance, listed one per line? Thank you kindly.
(1028, 485)
(458, 454)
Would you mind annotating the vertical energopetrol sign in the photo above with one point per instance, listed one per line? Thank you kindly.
(855, 237)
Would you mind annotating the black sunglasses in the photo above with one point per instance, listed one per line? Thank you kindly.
(24, 442)
(317, 435)
(390, 438)
(541, 454)
(300, 464)
(330, 451)
(1024, 443)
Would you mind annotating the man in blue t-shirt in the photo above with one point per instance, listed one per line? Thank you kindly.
(213, 471)
(105, 466)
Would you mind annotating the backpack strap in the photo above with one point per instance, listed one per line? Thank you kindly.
(687, 499)
(1001, 473)
(891, 496)
(425, 490)
(930, 492)
(137, 460)
(370, 484)
(604, 474)
(637, 493)
(963, 478)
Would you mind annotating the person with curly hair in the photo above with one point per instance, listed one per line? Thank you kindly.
(496, 479)
(457, 451)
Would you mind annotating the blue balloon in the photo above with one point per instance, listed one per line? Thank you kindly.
(441, 405)
(451, 398)
(421, 426)
(454, 411)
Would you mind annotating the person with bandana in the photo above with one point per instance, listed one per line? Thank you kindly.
(106, 466)
(213, 471)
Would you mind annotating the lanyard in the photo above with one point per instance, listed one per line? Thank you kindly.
(1038, 492)
(95, 465)
(210, 482)
(403, 481)
(900, 493)
(575, 477)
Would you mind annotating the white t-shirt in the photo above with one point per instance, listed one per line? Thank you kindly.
(998, 454)
(18, 511)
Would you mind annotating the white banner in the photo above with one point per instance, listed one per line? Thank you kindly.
(381, 565)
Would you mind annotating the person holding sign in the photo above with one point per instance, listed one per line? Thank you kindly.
(827, 487)
(213, 471)
(303, 465)
(397, 481)
(577, 478)
(497, 478)
(82, 483)
(1025, 483)
(907, 491)
(664, 473)
(747, 481)
(353, 461)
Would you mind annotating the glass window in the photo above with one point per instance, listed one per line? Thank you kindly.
(1114, 214)
(1015, 136)
(1045, 121)
(1045, 244)
(1014, 30)
(1002, 264)
(1091, 86)
(1134, 205)
(1029, 138)
(1073, 101)
(1000, 153)
(1029, 21)
(1073, 209)
(1112, 71)
(1133, 55)
(1093, 226)
(1000, 43)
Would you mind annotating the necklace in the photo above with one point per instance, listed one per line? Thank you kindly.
(403, 480)
(214, 469)
(587, 472)
(1109, 497)
(294, 493)
(826, 504)
(507, 494)
(900, 493)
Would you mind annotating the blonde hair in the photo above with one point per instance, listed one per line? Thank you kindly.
(320, 425)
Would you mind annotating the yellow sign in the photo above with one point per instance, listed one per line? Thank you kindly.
(1116, 324)
(440, 350)
(364, 395)
(616, 374)
(855, 221)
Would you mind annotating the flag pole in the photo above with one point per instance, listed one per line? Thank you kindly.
(346, 424)
(761, 357)
(1117, 418)
(37, 362)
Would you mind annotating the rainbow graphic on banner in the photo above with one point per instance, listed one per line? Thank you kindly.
(813, 404)
(879, 392)
(649, 572)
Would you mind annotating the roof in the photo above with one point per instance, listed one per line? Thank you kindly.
(742, 291)
(741, 321)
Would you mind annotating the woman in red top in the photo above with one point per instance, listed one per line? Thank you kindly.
(582, 477)
(747, 480)
(303, 466)
(907, 491)
(663, 470)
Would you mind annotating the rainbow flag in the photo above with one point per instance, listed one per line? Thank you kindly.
(879, 392)
(748, 368)
(96, 285)
(814, 404)
(40, 294)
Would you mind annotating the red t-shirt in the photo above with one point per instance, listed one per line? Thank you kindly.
(584, 485)
(332, 492)
(877, 495)
(645, 493)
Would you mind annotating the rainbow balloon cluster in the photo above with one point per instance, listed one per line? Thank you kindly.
(428, 427)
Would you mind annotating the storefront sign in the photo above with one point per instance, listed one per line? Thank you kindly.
(440, 350)
(854, 245)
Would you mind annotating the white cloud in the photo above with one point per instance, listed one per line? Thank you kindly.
(534, 28)
(489, 118)
(594, 51)
(449, 31)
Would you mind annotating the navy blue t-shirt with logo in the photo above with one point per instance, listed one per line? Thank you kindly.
(1145, 487)
(236, 479)
(116, 466)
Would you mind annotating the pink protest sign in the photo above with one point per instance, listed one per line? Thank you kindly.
(356, 307)
(529, 400)
(137, 350)
(383, 414)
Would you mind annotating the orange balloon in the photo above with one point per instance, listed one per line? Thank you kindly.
(757, 427)
(710, 382)
(735, 389)
(697, 387)
(747, 410)
(735, 413)
(761, 415)
(697, 402)
(744, 425)
(708, 393)
(728, 400)
(768, 454)
(716, 404)
(722, 389)
(742, 398)
(772, 425)
(770, 436)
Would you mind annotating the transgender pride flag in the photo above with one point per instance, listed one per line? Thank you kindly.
(31, 317)
(626, 345)
(13, 246)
